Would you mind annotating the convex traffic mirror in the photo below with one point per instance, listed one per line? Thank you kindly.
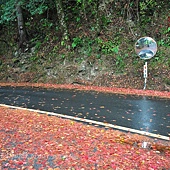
(146, 48)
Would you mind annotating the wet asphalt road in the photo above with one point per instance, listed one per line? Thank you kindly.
(136, 112)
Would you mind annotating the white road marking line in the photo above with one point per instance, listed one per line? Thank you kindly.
(92, 122)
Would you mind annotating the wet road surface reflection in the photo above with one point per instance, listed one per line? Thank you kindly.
(137, 112)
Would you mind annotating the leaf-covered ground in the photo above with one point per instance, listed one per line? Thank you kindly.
(29, 140)
(35, 141)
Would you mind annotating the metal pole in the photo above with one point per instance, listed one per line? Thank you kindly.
(145, 73)
(145, 84)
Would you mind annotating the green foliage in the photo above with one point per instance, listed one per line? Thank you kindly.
(97, 45)
(46, 23)
(38, 45)
(76, 42)
(160, 55)
(88, 46)
(36, 6)
(120, 62)
(147, 6)
(164, 42)
(105, 20)
(64, 42)
(7, 11)
(33, 58)
(108, 47)
(166, 30)
(167, 81)
(85, 44)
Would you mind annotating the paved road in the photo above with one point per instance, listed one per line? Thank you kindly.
(136, 112)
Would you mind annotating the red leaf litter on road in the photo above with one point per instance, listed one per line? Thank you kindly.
(162, 94)
(30, 140)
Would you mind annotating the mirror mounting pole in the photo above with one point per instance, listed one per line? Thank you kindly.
(145, 73)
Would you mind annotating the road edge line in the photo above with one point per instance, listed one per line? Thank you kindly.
(91, 122)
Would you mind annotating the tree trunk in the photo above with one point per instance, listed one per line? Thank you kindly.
(21, 29)
(63, 25)
(97, 16)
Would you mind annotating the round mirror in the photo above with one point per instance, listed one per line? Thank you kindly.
(146, 48)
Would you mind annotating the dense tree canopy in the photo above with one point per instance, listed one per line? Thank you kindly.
(99, 12)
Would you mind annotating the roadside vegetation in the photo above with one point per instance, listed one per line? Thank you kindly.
(83, 42)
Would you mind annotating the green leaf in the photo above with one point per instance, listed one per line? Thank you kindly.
(116, 49)
(168, 29)
(62, 43)
(74, 45)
